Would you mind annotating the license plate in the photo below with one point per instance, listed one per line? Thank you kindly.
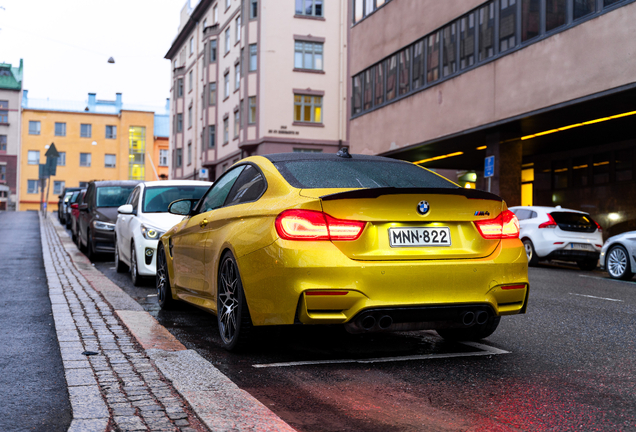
(413, 237)
(581, 246)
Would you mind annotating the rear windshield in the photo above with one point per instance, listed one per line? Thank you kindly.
(157, 199)
(113, 196)
(569, 218)
(314, 174)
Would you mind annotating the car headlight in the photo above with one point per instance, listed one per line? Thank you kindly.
(151, 233)
(105, 226)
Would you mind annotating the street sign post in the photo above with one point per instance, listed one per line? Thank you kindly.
(489, 169)
(47, 170)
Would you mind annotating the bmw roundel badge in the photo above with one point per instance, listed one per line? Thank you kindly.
(423, 207)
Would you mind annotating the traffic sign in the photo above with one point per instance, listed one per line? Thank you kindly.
(489, 166)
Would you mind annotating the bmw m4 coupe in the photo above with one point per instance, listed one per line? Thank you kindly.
(372, 243)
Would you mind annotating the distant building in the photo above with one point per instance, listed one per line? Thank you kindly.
(256, 77)
(96, 139)
(547, 87)
(10, 103)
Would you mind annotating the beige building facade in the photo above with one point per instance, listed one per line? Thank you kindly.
(548, 87)
(256, 77)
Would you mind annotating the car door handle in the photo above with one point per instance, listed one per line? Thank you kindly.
(203, 223)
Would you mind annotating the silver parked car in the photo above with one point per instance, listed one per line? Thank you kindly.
(618, 255)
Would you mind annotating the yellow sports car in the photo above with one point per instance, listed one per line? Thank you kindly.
(372, 243)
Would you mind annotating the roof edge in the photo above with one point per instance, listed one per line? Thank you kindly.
(185, 31)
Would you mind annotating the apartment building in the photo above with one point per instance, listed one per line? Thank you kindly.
(547, 87)
(96, 140)
(256, 77)
(10, 103)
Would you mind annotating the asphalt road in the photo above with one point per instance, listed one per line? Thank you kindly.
(568, 364)
(33, 393)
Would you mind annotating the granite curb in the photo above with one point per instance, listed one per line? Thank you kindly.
(218, 403)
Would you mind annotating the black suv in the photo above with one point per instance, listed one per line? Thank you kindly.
(98, 214)
(62, 203)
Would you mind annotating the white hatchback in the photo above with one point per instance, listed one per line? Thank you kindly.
(144, 218)
(560, 234)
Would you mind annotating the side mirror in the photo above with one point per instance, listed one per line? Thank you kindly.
(74, 206)
(125, 209)
(83, 207)
(181, 207)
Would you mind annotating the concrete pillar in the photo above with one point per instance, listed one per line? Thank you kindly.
(506, 182)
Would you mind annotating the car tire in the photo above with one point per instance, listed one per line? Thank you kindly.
(233, 315)
(533, 258)
(134, 270)
(474, 333)
(618, 264)
(120, 266)
(587, 265)
(162, 281)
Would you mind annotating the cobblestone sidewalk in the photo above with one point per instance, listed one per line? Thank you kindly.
(113, 385)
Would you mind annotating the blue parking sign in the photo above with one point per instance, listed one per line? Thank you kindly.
(489, 166)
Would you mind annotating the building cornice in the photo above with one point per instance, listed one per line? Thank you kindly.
(182, 37)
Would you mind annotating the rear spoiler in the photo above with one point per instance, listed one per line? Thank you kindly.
(377, 192)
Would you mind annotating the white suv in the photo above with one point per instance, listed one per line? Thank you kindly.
(561, 234)
(144, 218)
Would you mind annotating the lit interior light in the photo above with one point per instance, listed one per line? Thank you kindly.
(585, 123)
(438, 157)
(481, 148)
(614, 216)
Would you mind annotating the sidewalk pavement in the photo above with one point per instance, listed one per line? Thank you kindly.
(124, 370)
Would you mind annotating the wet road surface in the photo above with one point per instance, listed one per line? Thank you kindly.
(570, 363)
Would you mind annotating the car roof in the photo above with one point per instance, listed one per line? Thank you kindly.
(295, 156)
(104, 183)
(177, 183)
(547, 209)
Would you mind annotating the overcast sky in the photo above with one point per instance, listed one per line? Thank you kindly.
(65, 45)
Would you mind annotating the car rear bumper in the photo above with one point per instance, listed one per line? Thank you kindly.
(315, 283)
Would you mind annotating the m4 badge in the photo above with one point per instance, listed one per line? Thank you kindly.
(482, 213)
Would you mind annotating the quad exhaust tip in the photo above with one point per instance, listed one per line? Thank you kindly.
(468, 318)
(368, 322)
(385, 322)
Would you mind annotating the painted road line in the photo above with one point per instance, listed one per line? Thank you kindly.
(594, 297)
(485, 351)
(607, 279)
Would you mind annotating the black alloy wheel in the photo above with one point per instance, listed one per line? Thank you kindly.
(120, 266)
(134, 271)
(533, 259)
(162, 280)
(474, 333)
(618, 264)
(233, 315)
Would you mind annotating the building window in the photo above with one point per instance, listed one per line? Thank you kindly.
(58, 187)
(308, 55)
(60, 129)
(237, 77)
(85, 159)
(253, 54)
(3, 143)
(211, 136)
(226, 130)
(309, 7)
(215, 14)
(3, 174)
(34, 157)
(308, 108)
(179, 158)
(583, 8)
(163, 157)
(136, 152)
(192, 45)
(555, 13)
(228, 41)
(34, 127)
(580, 171)
(238, 29)
(83, 184)
(404, 62)
(110, 161)
(367, 90)
(467, 41)
(61, 160)
(507, 24)
(253, 9)
(33, 186)
(391, 77)
(237, 123)
(86, 130)
(486, 31)
(191, 80)
(379, 84)
(530, 19)
(228, 3)
(111, 132)
(4, 111)
(356, 106)
(190, 116)
(449, 50)
(601, 168)
(180, 87)
(305, 150)
(226, 85)
(213, 51)
(607, 3)
(180, 122)
(190, 153)
(251, 119)
(418, 64)
(432, 59)
(212, 93)
(560, 174)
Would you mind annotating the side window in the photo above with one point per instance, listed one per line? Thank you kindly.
(88, 199)
(221, 189)
(533, 215)
(134, 199)
(522, 214)
(248, 187)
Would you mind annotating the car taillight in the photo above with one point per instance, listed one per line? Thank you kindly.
(550, 223)
(315, 225)
(600, 229)
(506, 225)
